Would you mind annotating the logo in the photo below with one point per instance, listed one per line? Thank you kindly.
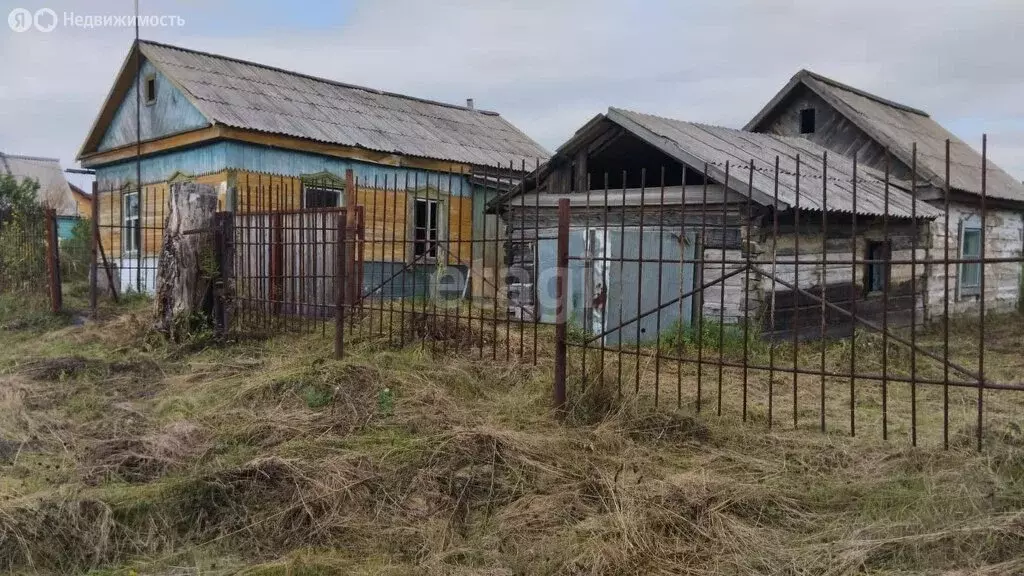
(21, 19)
(45, 20)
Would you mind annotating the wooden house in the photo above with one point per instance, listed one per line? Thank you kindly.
(855, 123)
(83, 201)
(273, 140)
(661, 208)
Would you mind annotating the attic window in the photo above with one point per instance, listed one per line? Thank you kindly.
(807, 121)
(150, 89)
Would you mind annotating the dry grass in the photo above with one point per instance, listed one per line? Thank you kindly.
(270, 457)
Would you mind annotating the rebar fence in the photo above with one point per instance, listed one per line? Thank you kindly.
(804, 292)
(414, 256)
(31, 268)
(844, 299)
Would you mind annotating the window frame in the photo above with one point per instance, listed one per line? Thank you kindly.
(969, 225)
(805, 115)
(130, 234)
(150, 80)
(338, 192)
(437, 205)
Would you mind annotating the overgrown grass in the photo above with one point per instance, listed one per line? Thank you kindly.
(122, 454)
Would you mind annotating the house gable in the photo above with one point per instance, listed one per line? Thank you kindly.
(891, 125)
(832, 131)
(170, 113)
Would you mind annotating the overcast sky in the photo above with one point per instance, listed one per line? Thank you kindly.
(548, 66)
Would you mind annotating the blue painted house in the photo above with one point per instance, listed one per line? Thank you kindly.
(269, 139)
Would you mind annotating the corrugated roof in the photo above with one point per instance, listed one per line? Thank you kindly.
(899, 126)
(697, 144)
(54, 191)
(257, 97)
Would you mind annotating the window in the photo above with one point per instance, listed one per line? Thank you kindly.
(130, 223)
(425, 228)
(807, 117)
(877, 274)
(150, 89)
(970, 247)
(321, 197)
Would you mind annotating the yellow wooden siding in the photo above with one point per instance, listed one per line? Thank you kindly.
(386, 214)
(267, 193)
(152, 214)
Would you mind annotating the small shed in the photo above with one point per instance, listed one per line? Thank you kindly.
(721, 217)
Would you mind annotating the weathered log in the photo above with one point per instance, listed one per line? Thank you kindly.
(187, 268)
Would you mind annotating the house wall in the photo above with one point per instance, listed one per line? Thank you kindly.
(631, 287)
(1004, 238)
(833, 131)
(784, 310)
(171, 113)
(83, 205)
(261, 179)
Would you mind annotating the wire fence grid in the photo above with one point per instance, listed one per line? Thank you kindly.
(868, 311)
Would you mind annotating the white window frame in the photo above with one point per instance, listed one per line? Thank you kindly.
(435, 206)
(130, 234)
(969, 225)
(306, 188)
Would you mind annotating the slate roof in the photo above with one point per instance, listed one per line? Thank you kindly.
(899, 126)
(696, 144)
(252, 96)
(54, 191)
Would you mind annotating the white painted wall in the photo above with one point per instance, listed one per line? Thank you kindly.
(1004, 238)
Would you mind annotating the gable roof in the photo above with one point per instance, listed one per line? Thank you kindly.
(54, 191)
(898, 127)
(261, 98)
(698, 144)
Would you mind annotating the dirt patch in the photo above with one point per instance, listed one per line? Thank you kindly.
(56, 369)
(422, 327)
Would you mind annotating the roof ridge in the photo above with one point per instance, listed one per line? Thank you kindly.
(24, 157)
(808, 73)
(320, 78)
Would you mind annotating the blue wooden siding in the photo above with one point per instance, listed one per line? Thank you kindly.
(218, 156)
(172, 113)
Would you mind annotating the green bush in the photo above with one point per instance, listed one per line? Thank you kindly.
(22, 241)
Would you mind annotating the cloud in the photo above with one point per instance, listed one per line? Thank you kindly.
(550, 66)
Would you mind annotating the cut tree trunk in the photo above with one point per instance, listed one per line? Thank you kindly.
(187, 268)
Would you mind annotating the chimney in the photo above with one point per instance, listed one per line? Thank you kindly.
(469, 103)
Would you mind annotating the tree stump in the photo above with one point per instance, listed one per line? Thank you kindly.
(187, 268)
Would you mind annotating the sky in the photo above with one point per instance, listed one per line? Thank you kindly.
(549, 66)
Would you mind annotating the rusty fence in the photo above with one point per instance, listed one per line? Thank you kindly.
(868, 306)
(36, 268)
(399, 256)
(864, 304)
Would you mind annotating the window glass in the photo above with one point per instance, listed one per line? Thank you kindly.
(425, 229)
(970, 273)
(321, 198)
(130, 223)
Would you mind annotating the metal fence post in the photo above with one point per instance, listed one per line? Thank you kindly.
(276, 263)
(94, 240)
(53, 260)
(340, 284)
(561, 302)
